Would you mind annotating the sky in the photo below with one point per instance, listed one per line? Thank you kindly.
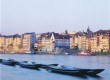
(21, 16)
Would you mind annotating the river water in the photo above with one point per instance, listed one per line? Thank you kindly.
(18, 73)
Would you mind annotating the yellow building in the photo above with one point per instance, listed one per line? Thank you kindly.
(2, 43)
(83, 40)
(80, 40)
(88, 44)
(101, 41)
(93, 44)
(46, 44)
(72, 42)
(8, 44)
(72, 39)
(17, 43)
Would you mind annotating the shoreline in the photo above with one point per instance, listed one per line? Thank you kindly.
(74, 54)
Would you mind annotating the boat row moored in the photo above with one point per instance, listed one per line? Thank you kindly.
(25, 64)
(63, 69)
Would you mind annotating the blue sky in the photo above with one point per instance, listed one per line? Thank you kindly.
(20, 16)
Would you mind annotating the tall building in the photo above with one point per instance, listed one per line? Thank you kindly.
(28, 41)
(83, 39)
(17, 43)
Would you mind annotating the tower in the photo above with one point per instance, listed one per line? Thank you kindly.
(88, 30)
(66, 32)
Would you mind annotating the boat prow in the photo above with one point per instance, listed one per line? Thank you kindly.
(10, 62)
(94, 71)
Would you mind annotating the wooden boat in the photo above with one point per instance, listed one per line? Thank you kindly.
(65, 70)
(72, 70)
(10, 62)
(32, 65)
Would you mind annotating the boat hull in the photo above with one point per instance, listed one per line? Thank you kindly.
(67, 71)
(29, 66)
(46, 66)
(91, 71)
(94, 71)
(75, 71)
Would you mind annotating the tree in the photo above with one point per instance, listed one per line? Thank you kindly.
(76, 47)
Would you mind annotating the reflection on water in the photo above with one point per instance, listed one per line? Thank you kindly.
(18, 73)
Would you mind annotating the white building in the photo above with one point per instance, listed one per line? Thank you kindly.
(54, 40)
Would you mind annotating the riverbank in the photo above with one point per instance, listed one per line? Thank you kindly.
(102, 53)
(74, 54)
